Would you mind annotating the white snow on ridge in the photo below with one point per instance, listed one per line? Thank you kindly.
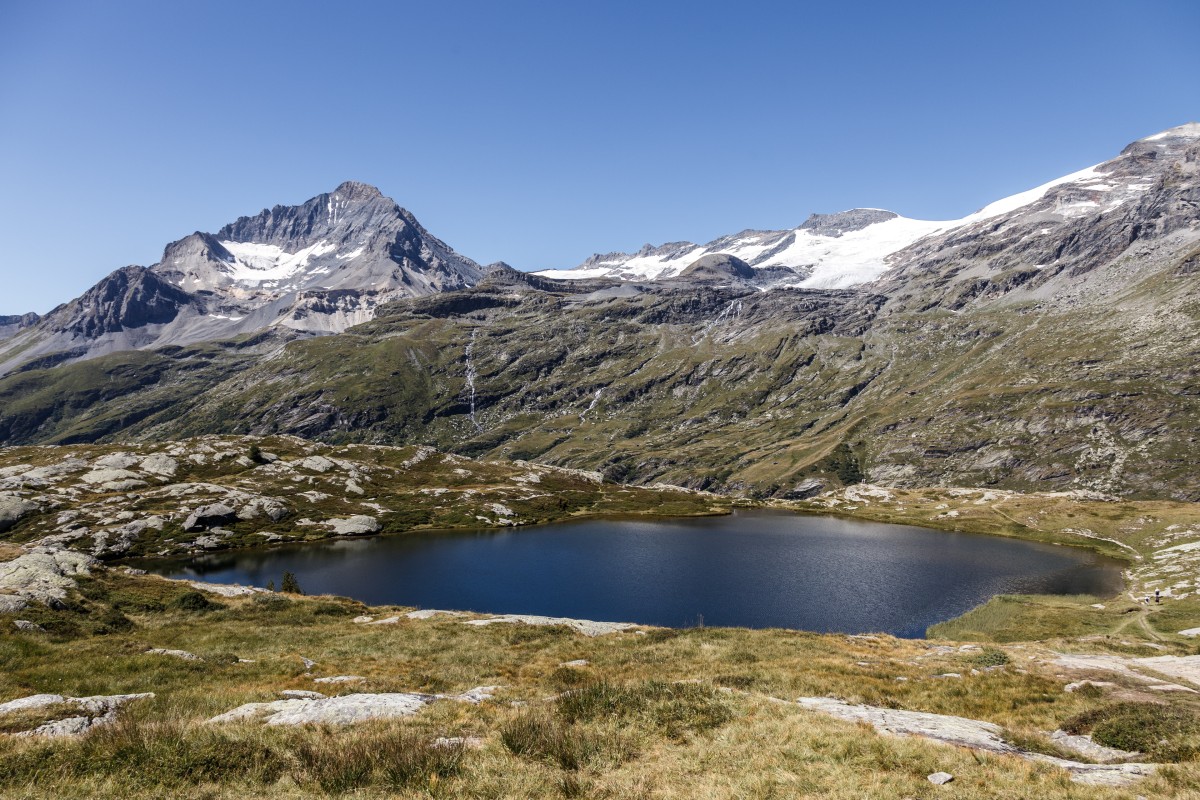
(1013, 202)
(862, 256)
(255, 263)
(855, 257)
(1189, 130)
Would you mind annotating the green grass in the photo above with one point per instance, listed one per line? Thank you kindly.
(1161, 731)
(645, 715)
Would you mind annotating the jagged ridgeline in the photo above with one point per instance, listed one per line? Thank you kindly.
(1047, 341)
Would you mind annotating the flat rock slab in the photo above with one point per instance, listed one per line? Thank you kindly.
(1089, 749)
(585, 626)
(345, 710)
(184, 654)
(1181, 667)
(100, 710)
(975, 734)
(12, 603)
(13, 510)
(226, 589)
(44, 576)
(429, 613)
(340, 679)
(358, 525)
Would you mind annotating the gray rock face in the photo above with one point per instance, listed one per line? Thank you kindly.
(977, 735)
(835, 225)
(13, 510)
(160, 464)
(182, 654)
(45, 577)
(108, 475)
(227, 589)
(358, 525)
(131, 297)
(100, 710)
(12, 603)
(345, 710)
(12, 324)
(1089, 749)
(809, 487)
(209, 516)
(718, 267)
(585, 626)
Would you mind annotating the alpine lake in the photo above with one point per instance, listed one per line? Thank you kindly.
(755, 569)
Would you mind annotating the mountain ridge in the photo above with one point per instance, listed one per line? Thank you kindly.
(318, 267)
(1049, 346)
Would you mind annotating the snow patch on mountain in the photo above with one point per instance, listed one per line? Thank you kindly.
(836, 258)
(256, 263)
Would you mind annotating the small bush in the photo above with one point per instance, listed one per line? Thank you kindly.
(111, 620)
(193, 601)
(406, 760)
(1090, 691)
(1162, 732)
(991, 657)
(270, 602)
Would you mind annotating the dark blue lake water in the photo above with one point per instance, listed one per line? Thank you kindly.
(756, 569)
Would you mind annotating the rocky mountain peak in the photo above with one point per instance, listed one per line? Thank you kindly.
(129, 298)
(318, 267)
(718, 266)
(355, 191)
(855, 219)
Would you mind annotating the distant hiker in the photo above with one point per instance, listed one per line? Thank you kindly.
(1157, 598)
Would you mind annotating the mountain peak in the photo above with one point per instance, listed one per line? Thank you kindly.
(845, 221)
(355, 190)
(1188, 130)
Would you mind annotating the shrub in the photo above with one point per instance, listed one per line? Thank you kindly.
(1165, 733)
(270, 602)
(111, 620)
(193, 601)
(991, 657)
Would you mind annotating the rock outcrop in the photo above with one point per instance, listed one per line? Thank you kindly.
(44, 576)
(344, 710)
(974, 734)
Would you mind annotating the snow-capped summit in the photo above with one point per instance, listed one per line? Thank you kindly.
(318, 267)
(350, 238)
(833, 251)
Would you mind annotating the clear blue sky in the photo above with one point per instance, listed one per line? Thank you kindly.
(540, 132)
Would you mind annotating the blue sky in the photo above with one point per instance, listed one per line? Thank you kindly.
(541, 132)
